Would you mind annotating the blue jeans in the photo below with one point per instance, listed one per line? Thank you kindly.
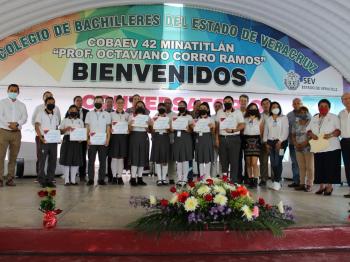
(295, 167)
(276, 159)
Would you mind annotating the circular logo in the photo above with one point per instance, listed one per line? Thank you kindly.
(292, 80)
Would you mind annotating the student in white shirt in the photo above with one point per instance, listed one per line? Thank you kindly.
(276, 134)
(46, 121)
(253, 130)
(13, 115)
(215, 165)
(71, 151)
(171, 163)
(344, 117)
(138, 144)
(328, 160)
(228, 140)
(97, 122)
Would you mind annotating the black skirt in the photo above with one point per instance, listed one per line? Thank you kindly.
(71, 153)
(251, 145)
(204, 148)
(182, 147)
(160, 152)
(138, 149)
(118, 146)
(328, 167)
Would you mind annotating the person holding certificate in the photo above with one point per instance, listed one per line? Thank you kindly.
(46, 127)
(324, 128)
(139, 126)
(276, 134)
(229, 124)
(204, 129)
(71, 150)
(182, 126)
(118, 146)
(254, 128)
(160, 152)
(98, 124)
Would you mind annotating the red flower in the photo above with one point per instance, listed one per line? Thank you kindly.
(191, 184)
(210, 181)
(53, 193)
(164, 203)
(183, 196)
(42, 193)
(261, 201)
(225, 178)
(234, 194)
(208, 198)
(242, 190)
(58, 211)
(173, 189)
(268, 206)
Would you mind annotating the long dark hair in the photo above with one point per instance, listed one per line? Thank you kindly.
(186, 112)
(279, 106)
(247, 114)
(72, 106)
(207, 106)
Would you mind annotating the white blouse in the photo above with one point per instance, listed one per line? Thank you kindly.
(252, 126)
(189, 118)
(276, 129)
(136, 128)
(70, 122)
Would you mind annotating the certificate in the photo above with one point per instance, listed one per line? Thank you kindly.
(318, 145)
(78, 134)
(140, 121)
(52, 136)
(161, 123)
(228, 123)
(180, 123)
(120, 127)
(98, 139)
(202, 126)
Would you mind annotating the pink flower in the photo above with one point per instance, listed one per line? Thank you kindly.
(256, 211)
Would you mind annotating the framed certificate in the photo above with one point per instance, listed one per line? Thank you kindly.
(78, 134)
(228, 123)
(140, 121)
(98, 139)
(202, 126)
(180, 123)
(120, 127)
(161, 123)
(52, 136)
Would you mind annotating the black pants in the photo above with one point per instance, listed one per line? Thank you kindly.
(229, 147)
(82, 169)
(49, 152)
(37, 146)
(345, 149)
(102, 155)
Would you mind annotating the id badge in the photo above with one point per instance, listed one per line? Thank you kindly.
(281, 152)
(178, 133)
(200, 134)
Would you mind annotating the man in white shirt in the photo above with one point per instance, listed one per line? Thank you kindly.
(228, 139)
(171, 164)
(13, 115)
(344, 117)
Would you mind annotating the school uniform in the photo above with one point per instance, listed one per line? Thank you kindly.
(251, 137)
(171, 162)
(47, 151)
(344, 117)
(82, 169)
(98, 121)
(71, 151)
(229, 144)
(328, 161)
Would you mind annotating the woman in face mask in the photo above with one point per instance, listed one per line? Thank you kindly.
(160, 153)
(275, 136)
(139, 126)
(204, 129)
(182, 147)
(327, 160)
(71, 151)
(253, 130)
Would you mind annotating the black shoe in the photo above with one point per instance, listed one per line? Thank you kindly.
(114, 181)
(110, 179)
(262, 183)
(43, 185)
(74, 184)
(82, 178)
(101, 183)
(140, 182)
(67, 184)
(50, 184)
(165, 183)
(320, 191)
(90, 183)
(120, 181)
(159, 183)
(133, 182)
(171, 182)
(293, 185)
(347, 196)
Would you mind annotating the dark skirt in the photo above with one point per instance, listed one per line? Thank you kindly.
(71, 153)
(251, 145)
(204, 148)
(138, 148)
(183, 147)
(118, 146)
(160, 152)
(328, 167)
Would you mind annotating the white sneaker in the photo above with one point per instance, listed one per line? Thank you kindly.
(275, 186)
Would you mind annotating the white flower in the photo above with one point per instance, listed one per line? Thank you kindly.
(280, 207)
(152, 200)
(174, 199)
(248, 213)
(220, 200)
(216, 180)
(203, 190)
(219, 190)
(191, 204)
(229, 187)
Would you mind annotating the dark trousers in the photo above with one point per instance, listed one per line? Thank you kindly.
(276, 159)
(109, 168)
(49, 152)
(82, 169)
(295, 167)
(345, 149)
(229, 147)
(242, 173)
(37, 146)
(102, 155)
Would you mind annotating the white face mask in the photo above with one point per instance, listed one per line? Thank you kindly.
(275, 111)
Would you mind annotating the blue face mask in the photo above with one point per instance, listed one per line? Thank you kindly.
(12, 95)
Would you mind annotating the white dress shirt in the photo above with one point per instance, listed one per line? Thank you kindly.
(71, 122)
(252, 127)
(98, 121)
(41, 108)
(47, 121)
(344, 117)
(276, 129)
(221, 115)
(12, 111)
(326, 125)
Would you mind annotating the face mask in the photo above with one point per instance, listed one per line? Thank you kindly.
(73, 114)
(275, 111)
(161, 111)
(12, 95)
(182, 109)
(228, 106)
(253, 112)
(98, 105)
(323, 111)
(303, 117)
(203, 112)
(140, 110)
(50, 107)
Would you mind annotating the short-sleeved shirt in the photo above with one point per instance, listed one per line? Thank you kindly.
(136, 128)
(71, 122)
(222, 114)
(98, 121)
(300, 135)
(119, 117)
(252, 126)
(47, 121)
(189, 118)
(211, 120)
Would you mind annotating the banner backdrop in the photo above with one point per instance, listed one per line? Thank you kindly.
(164, 47)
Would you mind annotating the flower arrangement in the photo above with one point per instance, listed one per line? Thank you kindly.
(47, 206)
(202, 205)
